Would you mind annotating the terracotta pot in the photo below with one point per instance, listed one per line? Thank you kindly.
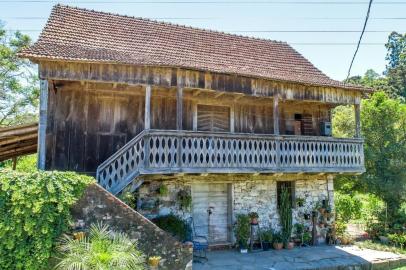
(254, 220)
(78, 235)
(278, 246)
(153, 261)
(290, 245)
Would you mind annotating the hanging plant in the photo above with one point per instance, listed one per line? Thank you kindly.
(163, 190)
(184, 199)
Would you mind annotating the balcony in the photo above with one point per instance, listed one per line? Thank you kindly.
(168, 152)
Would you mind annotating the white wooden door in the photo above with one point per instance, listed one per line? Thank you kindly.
(210, 211)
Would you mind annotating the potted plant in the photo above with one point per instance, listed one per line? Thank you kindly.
(163, 190)
(154, 261)
(300, 202)
(254, 217)
(242, 232)
(277, 241)
(185, 199)
(285, 216)
(267, 236)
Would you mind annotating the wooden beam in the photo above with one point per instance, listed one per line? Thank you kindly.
(194, 112)
(232, 119)
(276, 114)
(147, 120)
(42, 126)
(196, 93)
(238, 97)
(357, 111)
(179, 108)
(219, 94)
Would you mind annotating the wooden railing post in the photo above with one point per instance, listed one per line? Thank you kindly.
(42, 127)
(276, 114)
(357, 110)
(147, 119)
(179, 108)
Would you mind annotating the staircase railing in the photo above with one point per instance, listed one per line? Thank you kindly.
(168, 151)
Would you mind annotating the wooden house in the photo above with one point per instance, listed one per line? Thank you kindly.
(166, 111)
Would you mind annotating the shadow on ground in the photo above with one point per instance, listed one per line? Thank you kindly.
(321, 257)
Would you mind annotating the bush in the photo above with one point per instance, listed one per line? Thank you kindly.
(34, 211)
(242, 230)
(103, 249)
(173, 225)
(347, 207)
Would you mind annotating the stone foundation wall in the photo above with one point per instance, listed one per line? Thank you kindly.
(98, 205)
(250, 193)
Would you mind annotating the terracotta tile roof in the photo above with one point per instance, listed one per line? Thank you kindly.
(75, 34)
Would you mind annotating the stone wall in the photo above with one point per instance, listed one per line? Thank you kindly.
(250, 193)
(99, 205)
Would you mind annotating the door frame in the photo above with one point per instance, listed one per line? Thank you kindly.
(230, 210)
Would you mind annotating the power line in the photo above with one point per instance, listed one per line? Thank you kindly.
(214, 2)
(360, 38)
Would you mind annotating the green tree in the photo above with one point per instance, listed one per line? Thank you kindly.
(396, 67)
(19, 90)
(384, 130)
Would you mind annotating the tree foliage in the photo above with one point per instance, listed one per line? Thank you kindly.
(396, 67)
(34, 211)
(384, 129)
(19, 90)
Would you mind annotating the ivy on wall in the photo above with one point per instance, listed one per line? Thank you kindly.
(34, 211)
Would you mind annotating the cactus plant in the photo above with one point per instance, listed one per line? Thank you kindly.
(285, 215)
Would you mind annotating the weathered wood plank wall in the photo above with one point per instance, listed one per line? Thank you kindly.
(88, 122)
(173, 77)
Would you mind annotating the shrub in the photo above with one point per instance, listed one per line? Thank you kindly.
(173, 225)
(103, 249)
(242, 230)
(347, 207)
(34, 211)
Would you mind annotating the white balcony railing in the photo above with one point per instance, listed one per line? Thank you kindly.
(166, 151)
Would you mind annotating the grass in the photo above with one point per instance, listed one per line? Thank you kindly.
(379, 246)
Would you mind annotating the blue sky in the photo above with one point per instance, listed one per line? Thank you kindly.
(251, 16)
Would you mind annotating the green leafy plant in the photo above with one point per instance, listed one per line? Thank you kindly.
(253, 215)
(103, 249)
(277, 237)
(285, 215)
(267, 235)
(398, 239)
(242, 230)
(163, 190)
(129, 198)
(185, 199)
(300, 202)
(173, 225)
(34, 211)
(299, 229)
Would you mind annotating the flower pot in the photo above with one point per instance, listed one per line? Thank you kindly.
(278, 246)
(290, 245)
(78, 235)
(243, 250)
(254, 221)
(266, 245)
(154, 261)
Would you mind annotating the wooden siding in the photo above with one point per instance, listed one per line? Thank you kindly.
(88, 122)
(172, 77)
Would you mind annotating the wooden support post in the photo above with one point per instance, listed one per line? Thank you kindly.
(276, 114)
(42, 126)
(147, 120)
(357, 110)
(14, 163)
(232, 117)
(179, 109)
(194, 111)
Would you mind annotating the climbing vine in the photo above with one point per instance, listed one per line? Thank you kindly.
(34, 211)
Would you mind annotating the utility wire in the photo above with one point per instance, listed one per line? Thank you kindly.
(213, 2)
(360, 38)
